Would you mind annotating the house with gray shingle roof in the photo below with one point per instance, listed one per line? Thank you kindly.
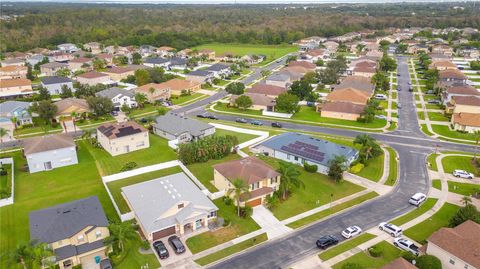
(75, 231)
(156, 62)
(183, 129)
(15, 110)
(169, 205)
(119, 97)
(55, 84)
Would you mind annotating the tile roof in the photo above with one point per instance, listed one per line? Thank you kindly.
(54, 65)
(399, 263)
(117, 130)
(118, 70)
(179, 84)
(17, 82)
(467, 100)
(304, 64)
(349, 95)
(217, 67)
(467, 119)
(110, 93)
(46, 143)
(80, 60)
(255, 193)
(463, 89)
(72, 104)
(13, 68)
(343, 107)
(248, 169)
(451, 73)
(92, 74)
(257, 99)
(262, 88)
(356, 82)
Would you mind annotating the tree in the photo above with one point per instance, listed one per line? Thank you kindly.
(136, 58)
(239, 188)
(291, 58)
(363, 139)
(428, 262)
(3, 132)
(359, 47)
(140, 98)
(243, 102)
(289, 178)
(350, 265)
(401, 48)
(302, 89)
(120, 60)
(45, 109)
(142, 77)
(66, 92)
(31, 254)
(30, 75)
(336, 167)
(98, 64)
(387, 64)
(468, 212)
(236, 88)
(368, 114)
(310, 78)
(265, 73)
(384, 45)
(370, 148)
(288, 103)
(100, 105)
(319, 62)
(125, 108)
(64, 72)
(43, 94)
(381, 81)
(476, 137)
(119, 233)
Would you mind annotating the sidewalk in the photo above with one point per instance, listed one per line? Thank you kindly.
(371, 185)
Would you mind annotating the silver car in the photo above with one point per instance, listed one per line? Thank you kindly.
(462, 174)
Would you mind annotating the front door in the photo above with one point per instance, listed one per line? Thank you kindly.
(48, 165)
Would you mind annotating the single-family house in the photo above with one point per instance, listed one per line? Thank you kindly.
(185, 53)
(169, 205)
(417, 48)
(227, 57)
(252, 58)
(165, 51)
(13, 72)
(262, 180)
(35, 59)
(15, 87)
(179, 86)
(147, 50)
(13, 62)
(457, 248)
(468, 104)
(75, 231)
(219, 70)
(183, 130)
(299, 149)
(93, 78)
(118, 73)
(80, 63)
(93, 47)
(259, 101)
(51, 69)
(466, 122)
(121, 138)
(331, 46)
(66, 107)
(356, 82)
(68, 48)
(452, 75)
(279, 79)
(316, 54)
(310, 67)
(55, 84)
(439, 57)
(14, 114)
(443, 49)
(458, 90)
(350, 95)
(119, 97)
(200, 76)
(157, 62)
(209, 54)
(60, 57)
(107, 58)
(365, 69)
(341, 110)
(177, 63)
(442, 65)
(48, 152)
(265, 89)
(154, 92)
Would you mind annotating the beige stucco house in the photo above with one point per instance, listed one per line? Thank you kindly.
(121, 138)
(14, 87)
(262, 179)
(93, 78)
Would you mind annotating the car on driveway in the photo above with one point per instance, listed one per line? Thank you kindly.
(434, 101)
(406, 245)
(276, 124)
(176, 244)
(241, 120)
(417, 199)
(106, 264)
(351, 231)
(326, 241)
(462, 174)
(391, 229)
(161, 250)
(399, 89)
(256, 122)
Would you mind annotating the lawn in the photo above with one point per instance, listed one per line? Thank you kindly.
(451, 163)
(39, 127)
(232, 249)
(6, 182)
(437, 184)
(115, 186)
(224, 107)
(431, 160)
(241, 136)
(393, 169)
(327, 212)
(97, 121)
(148, 109)
(421, 115)
(179, 100)
(364, 259)
(158, 152)
(423, 230)
(238, 227)
(427, 205)
(204, 171)
(317, 191)
(433, 106)
(437, 116)
(345, 246)
(374, 169)
(466, 189)
(425, 130)
(271, 51)
(135, 259)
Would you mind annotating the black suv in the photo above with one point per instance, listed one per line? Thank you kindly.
(176, 244)
(276, 124)
(326, 241)
(161, 250)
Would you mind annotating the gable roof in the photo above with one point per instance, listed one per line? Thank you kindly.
(8, 107)
(451, 73)
(92, 74)
(262, 88)
(304, 64)
(71, 104)
(54, 80)
(257, 99)
(462, 241)
(248, 169)
(13, 68)
(467, 100)
(117, 130)
(118, 70)
(16, 82)
(467, 119)
(63, 221)
(182, 125)
(54, 65)
(356, 82)
(156, 60)
(343, 107)
(217, 67)
(463, 89)
(199, 73)
(348, 95)
(179, 84)
(115, 91)
(46, 143)
(80, 60)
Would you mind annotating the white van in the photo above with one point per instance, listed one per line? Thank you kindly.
(380, 96)
(391, 229)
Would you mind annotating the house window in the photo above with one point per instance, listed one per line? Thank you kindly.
(80, 238)
(255, 185)
(296, 158)
(452, 261)
(288, 156)
(273, 180)
(212, 214)
(98, 234)
(466, 266)
(180, 206)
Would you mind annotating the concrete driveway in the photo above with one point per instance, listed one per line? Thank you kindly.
(268, 222)
(174, 258)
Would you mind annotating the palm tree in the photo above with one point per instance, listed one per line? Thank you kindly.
(3, 132)
(239, 187)
(466, 200)
(289, 177)
(363, 139)
(119, 233)
(74, 115)
(476, 136)
(141, 99)
(14, 121)
(31, 252)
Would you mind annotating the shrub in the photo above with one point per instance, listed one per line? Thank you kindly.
(312, 168)
(246, 211)
(145, 245)
(226, 222)
(357, 168)
(351, 265)
(227, 200)
(128, 166)
(428, 262)
(375, 251)
(409, 256)
(208, 148)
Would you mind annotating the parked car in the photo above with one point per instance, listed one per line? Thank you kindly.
(409, 83)
(382, 117)
(399, 106)
(176, 244)
(143, 120)
(326, 241)
(351, 231)
(434, 101)
(398, 74)
(417, 199)
(380, 96)
(277, 125)
(114, 113)
(407, 245)
(201, 116)
(391, 229)
(399, 88)
(161, 250)
(410, 89)
(106, 264)
(256, 122)
(241, 120)
(462, 174)
(212, 117)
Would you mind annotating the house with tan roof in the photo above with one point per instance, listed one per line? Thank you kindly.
(165, 51)
(261, 179)
(452, 75)
(443, 49)
(456, 247)
(51, 69)
(265, 89)
(184, 53)
(356, 82)
(107, 57)
(365, 69)
(210, 54)
(466, 122)
(349, 95)
(13, 72)
(80, 63)
(259, 101)
(93, 78)
(121, 138)
(45, 153)
(458, 90)
(341, 110)
(442, 65)
(15, 87)
(468, 104)
(177, 86)
(118, 73)
(331, 46)
(316, 54)
(154, 92)
(93, 47)
(67, 106)
(399, 263)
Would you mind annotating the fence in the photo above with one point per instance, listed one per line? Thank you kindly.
(9, 200)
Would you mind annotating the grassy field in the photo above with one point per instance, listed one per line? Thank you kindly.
(451, 163)
(437, 116)
(393, 168)
(364, 259)
(425, 130)
(437, 184)
(238, 227)
(345, 245)
(232, 249)
(178, 100)
(6, 182)
(148, 109)
(423, 230)
(427, 205)
(317, 191)
(432, 164)
(466, 189)
(421, 115)
(374, 169)
(223, 107)
(241, 136)
(158, 152)
(39, 126)
(272, 52)
(115, 186)
(333, 210)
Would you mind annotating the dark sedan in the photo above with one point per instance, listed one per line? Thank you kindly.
(276, 124)
(161, 250)
(241, 120)
(326, 241)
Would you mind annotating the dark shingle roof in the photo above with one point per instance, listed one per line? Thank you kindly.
(156, 60)
(217, 67)
(55, 80)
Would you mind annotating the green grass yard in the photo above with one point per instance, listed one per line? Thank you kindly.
(6, 182)
(374, 169)
(437, 116)
(427, 205)
(179, 100)
(437, 184)
(431, 160)
(364, 259)
(466, 189)
(148, 110)
(39, 126)
(451, 163)
(241, 136)
(225, 108)
(425, 130)
(345, 246)
(393, 168)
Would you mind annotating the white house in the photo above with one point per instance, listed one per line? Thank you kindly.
(54, 84)
(119, 97)
(68, 48)
(183, 129)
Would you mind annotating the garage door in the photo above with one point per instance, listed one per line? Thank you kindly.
(255, 202)
(163, 233)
